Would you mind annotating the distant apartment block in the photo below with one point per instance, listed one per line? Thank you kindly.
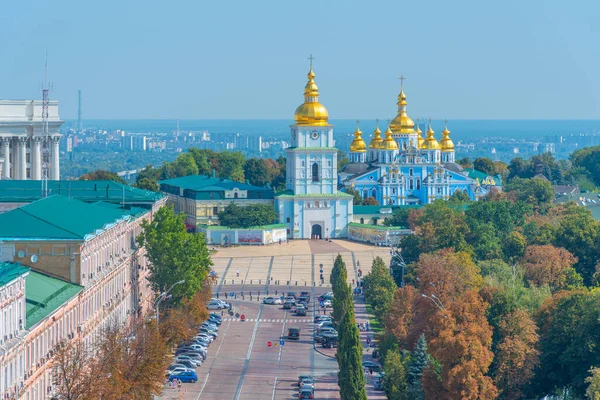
(134, 142)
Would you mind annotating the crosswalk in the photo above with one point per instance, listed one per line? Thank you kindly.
(291, 321)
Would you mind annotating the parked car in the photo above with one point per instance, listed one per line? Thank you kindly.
(208, 331)
(323, 324)
(307, 294)
(306, 393)
(294, 333)
(272, 300)
(326, 296)
(304, 299)
(177, 370)
(216, 305)
(201, 354)
(327, 303)
(214, 319)
(306, 381)
(330, 340)
(182, 358)
(289, 304)
(291, 294)
(319, 318)
(301, 310)
(187, 363)
(371, 365)
(302, 377)
(185, 376)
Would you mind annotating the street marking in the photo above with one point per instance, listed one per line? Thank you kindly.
(205, 380)
(274, 388)
(238, 392)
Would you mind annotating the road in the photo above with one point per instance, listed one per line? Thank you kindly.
(240, 365)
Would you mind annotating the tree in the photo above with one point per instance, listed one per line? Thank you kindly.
(514, 246)
(465, 163)
(460, 197)
(342, 297)
(593, 390)
(401, 313)
(520, 168)
(257, 172)
(203, 159)
(230, 165)
(536, 192)
(357, 198)
(398, 218)
(569, 329)
(148, 172)
(419, 360)
(147, 184)
(102, 175)
(379, 287)
(516, 355)
(252, 215)
(394, 381)
(75, 371)
(484, 165)
(185, 165)
(174, 254)
(370, 201)
(460, 341)
(588, 159)
(342, 159)
(548, 265)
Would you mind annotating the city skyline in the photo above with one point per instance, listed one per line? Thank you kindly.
(207, 61)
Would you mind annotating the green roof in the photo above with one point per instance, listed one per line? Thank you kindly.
(44, 294)
(201, 187)
(9, 272)
(379, 227)
(289, 194)
(219, 227)
(377, 209)
(58, 217)
(88, 191)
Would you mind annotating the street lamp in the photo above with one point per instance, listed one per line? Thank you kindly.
(435, 301)
(397, 260)
(163, 296)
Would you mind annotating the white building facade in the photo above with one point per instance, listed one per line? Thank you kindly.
(25, 147)
(312, 207)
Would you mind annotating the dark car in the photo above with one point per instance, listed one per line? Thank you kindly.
(306, 393)
(304, 299)
(329, 340)
(294, 333)
(378, 385)
(301, 310)
(371, 366)
(292, 294)
(303, 377)
(307, 294)
(288, 304)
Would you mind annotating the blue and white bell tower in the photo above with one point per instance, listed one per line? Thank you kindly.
(312, 206)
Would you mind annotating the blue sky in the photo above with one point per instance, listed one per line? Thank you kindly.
(247, 59)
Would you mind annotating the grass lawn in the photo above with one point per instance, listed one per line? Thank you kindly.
(375, 325)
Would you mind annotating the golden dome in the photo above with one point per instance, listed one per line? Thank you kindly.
(389, 143)
(446, 143)
(377, 141)
(430, 143)
(358, 144)
(420, 139)
(311, 112)
(402, 123)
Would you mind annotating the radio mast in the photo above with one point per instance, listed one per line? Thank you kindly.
(46, 88)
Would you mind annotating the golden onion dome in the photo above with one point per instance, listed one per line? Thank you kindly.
(430, 143)
(402, 123)
(389, 143)
(446, 143)
(377, 141)
(311, 112)
(420, 139)
(358, 144)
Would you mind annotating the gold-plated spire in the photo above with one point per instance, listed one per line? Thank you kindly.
(446, 143)
(311, 112)
(358, 144)
(420, 139)
(402, 123)
(430, 143)
(389, 143)
(377, 141)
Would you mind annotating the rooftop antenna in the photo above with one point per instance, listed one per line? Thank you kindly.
(46, 88)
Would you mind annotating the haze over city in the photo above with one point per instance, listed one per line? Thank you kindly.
(248, 60)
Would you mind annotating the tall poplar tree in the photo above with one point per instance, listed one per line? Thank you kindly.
(342, 296)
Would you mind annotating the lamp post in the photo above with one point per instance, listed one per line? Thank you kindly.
(397, 260)
(163, 296)
(435, 301)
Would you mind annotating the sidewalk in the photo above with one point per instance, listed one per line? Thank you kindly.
(362, 316)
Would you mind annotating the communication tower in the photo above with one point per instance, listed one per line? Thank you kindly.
(46, 88)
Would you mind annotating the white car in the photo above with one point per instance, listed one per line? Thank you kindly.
(177, 370)
(327, 303)
(272, 300)
(216, 305)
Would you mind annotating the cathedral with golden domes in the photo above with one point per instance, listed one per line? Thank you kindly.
(404, 168)
(401, 168)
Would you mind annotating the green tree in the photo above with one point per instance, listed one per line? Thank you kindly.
(342, 159)
(536, 192)
(357, 198)
(398, 218)
(148, 184)
(520, 168)
(460, 197)
(257, 172)
(484, 165)
(203, 159)
(185, 165)
(419, 360)
(230, 165)
(234, 216)
(593, 390)
(589, 160)
(102, 175)
(465, 163)
(339, 284)
(379, 288)
(394, 381)
(148, 172)
(513, 246)
(174, 254)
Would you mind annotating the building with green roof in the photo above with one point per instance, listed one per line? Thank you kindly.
(15, 193)
(202, 197)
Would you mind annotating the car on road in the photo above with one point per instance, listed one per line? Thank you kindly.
(185, 376)
(208, 331)
(187, 363)
(329, 340)
(307, 381)
(303, 299)
(291, 294)
(326, 296)
(371, 366)
(177, 370)
(327, 303)
(182, 360)
(320, 318)
(289, 304)
(216, 305)
(294, 333)
(323, 324)
(215, 319)
(271, 300)
(301, 377)
(306, 393)
(301, 310)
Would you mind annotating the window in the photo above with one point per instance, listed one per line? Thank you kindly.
(59, 250)
(393, 190)
(287, 220)
(362, 220)
(374, 193)
(235, 195)
(315, 172)
(410, 172)
(410, 184)
(418, 183)
(302, 163)
(365, 193)
(288, 231)
(329, 163)
(215, 210)
(317, 204)
(212, 195)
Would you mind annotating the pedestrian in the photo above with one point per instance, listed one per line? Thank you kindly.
(368, 341)
(280, 242)
(367, 326)
(179, 385)
(222, 313)
(237, 273)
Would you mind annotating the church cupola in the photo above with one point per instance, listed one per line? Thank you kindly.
(375, 143)
(431, 146)
(402, 124)
(358, 148)
(447, 144)
(311, 112)
(420, 139)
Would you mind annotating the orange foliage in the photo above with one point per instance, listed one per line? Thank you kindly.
(547, 265)
(460, 342)
(401, 312)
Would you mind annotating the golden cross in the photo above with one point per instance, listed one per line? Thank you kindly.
(311, 58)
(357, 123)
